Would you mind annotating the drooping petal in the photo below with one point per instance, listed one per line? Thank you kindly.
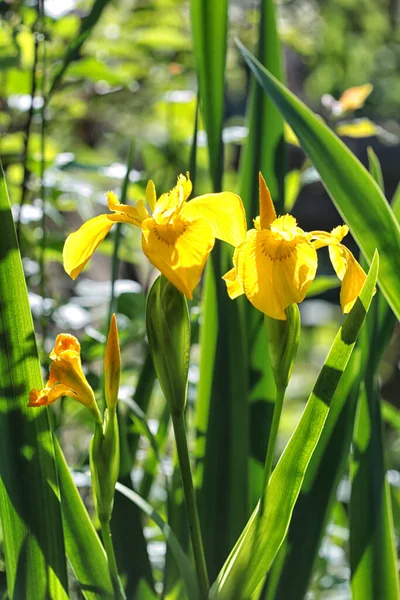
(233, 285)
(80, 245)
(267, 208)
(224, 212)
(132, 214)
(274, 272)
(179, 249)
(349, 272)
(48, 395)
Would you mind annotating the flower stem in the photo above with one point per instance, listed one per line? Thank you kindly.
(178, 422)
(273, 434)
(112, 563)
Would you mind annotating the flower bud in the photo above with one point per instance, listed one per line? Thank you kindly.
(283, 340)
(168, 332)
(112, 366)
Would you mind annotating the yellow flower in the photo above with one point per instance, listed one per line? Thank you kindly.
(177, 236)
(66, 377)
(277, 262)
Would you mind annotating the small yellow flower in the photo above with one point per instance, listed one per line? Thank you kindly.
(177, 236)
(277, 262)
(66, 377)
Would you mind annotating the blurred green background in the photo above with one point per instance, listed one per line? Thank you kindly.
(132, 84)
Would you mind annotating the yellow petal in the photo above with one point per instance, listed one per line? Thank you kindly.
(275, 272)
(179, 249)
(233, 285)
(267, 209)
(349, 272)
(132, 215)
(48, 395)
(360, 128)
(355, 97)
(174, 199)
(80, 245)
(323, 238)
(65, 341)
(224, 212)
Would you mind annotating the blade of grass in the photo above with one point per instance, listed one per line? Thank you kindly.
(256, 548)
(30, 508)
(354, 192)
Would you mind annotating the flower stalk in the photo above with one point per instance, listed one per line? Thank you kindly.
(168, 332)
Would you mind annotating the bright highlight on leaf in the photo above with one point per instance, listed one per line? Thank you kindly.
(177, 236)
(277, 262)
(66, 377)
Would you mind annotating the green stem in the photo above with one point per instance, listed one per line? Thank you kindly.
(112, 563)
(178, 422)
(273, 434)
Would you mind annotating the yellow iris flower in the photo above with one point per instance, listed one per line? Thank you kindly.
(177, 236)
(277, 262)
(66, 377)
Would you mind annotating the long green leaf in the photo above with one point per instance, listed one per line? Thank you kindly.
(373, 557)
(264, 151)
(209, 28)
(221, 413)
(255, 551)
(84, 550)
(355, 194)
(318, 490)
(30, 508)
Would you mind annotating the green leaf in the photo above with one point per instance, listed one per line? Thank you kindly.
(373, 556)
(30, 508)
(321, 284)
(209, 30)
(186, 569)
(256, 549)
(354, 192)
(264, 151)
(72, 53)
(323, 474)
(84, 549)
